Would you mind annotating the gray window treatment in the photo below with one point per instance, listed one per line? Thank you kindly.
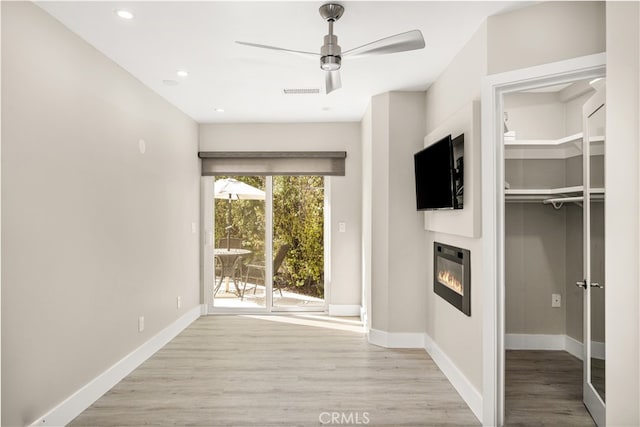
(273, 163)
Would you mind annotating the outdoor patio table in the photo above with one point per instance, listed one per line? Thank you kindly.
(227, 258)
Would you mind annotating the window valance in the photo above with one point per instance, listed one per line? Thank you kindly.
(273, 162)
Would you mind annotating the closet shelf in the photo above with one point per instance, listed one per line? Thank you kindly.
(561, 148)
(544, 142)
(541, 194)
(575, 138)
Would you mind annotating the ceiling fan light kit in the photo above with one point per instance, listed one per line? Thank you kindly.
(330, 59)
(331, 54)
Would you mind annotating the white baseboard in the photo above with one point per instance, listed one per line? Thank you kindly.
(75, 404)
(396, 339)
(344, 310)
(552, 342)
(573, 346)
(534, 342)
(463, 386)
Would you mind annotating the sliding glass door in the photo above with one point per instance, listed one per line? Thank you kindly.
(251, 219)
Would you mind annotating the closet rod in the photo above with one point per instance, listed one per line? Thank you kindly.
(558, 202)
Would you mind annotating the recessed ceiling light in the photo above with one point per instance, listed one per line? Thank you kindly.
(219, 110)
(182, 73)
(170, 82)
(125, 14)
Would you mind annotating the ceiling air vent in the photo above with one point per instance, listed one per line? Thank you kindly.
(312, 91)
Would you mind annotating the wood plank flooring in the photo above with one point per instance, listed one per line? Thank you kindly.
(544, 388)
(261, 371)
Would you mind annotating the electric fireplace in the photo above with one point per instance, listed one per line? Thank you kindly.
(452, 275)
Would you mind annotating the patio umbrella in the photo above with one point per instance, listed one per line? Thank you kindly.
(232, 189)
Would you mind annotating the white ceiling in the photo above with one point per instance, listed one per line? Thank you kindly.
(247, 82)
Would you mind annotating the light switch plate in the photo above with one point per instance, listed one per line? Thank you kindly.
(556, 300)
(342, 227)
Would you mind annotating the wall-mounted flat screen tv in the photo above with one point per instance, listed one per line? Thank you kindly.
(438, 184)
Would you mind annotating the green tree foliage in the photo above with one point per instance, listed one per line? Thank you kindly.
(298, 219)
(298, 206)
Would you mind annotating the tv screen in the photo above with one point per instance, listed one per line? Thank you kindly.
(435, 179)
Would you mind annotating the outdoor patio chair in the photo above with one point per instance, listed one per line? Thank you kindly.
(256, 270)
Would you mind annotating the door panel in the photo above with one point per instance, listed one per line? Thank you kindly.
(594, 267)
(298, 243)
(240, 236)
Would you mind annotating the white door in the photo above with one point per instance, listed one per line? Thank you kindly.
(594, 266)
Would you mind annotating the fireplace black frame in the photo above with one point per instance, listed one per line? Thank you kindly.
(459, 256)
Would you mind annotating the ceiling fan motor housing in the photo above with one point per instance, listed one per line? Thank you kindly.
(330, 52)
(330, 59)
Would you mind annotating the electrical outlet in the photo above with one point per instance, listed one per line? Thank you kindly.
(556, 300)
(178, 302)
(342, 227)
(140, 323)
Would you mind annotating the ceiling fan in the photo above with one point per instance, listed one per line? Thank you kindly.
(331, 54)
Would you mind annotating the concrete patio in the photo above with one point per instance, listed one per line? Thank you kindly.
(289, 299)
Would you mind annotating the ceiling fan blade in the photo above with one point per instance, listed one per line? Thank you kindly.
(332, 81)
(296, 52)
(411, 40)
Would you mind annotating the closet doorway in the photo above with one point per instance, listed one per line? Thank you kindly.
(554, 244)
(543, 234)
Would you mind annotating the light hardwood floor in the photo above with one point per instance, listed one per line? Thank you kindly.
(261, 371)
(544, 388)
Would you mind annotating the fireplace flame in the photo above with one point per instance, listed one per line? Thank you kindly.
(450, 280)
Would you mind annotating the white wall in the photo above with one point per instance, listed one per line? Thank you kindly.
(536, 115)
(407, 263)
(543, 33)
(535, 268)
(379, 314)
(394, 129)
(345, 198)
(622, 219)
(459, 83)
(95, 233)
(462, 343)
